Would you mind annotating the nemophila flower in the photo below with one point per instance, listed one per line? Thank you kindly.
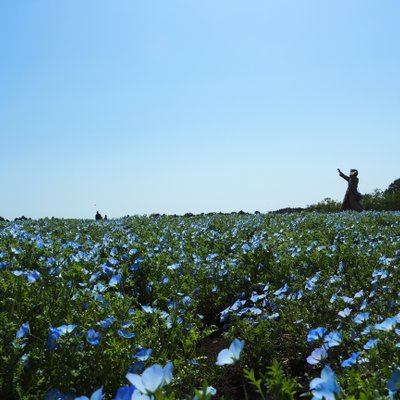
(380, 273)
(245, 248)
(333, 339)
(143, 354)
(347, 300)
(333, 298)
(231, 355)
(326, 386)
(115, 280)
(367, 330)
(173, 267)
(32, 276)
(311, 283)
(364, 305)
(316, 334)
(106, 323)
(281, 290)
(126, 323)
(125, 334)
(136, 368)
(317, 356)
(99, 288)
(370, 344)
(24, 359)
(125, 393)
(345, 313)
(187, 301)
(53, 339)
(351, 360)
(54, 394)
(136, 265)
(208, 391)
(256, 297)
(97, 395)
(359, 294)
(148, 309)
(23, 331)
(393, 384)
(152, 379)
(361, 317)
(63, 329)
(112, 261)
(95, 276)
(92, 337)
(387, 325)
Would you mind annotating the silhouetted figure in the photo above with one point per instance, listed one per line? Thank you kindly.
(105, 217)
(98, 216)
(352, 198)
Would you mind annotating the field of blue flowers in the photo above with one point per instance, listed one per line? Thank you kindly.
(216, 306)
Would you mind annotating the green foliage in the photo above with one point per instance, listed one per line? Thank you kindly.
(285, 274)
(326, 205)
(274, 384)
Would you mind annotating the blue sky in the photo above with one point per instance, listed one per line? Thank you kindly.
(136, 107)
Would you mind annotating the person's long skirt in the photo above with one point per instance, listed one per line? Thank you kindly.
(350, 202)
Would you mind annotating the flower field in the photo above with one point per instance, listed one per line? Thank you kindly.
(259, 306)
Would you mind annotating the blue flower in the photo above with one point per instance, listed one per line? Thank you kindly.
(56, 333)
(370, 344)
(187, 301)
(23, 331)
(92, 337)
(143, 354)
(63, 329)
(387, 325)
(317, 356)
(393, 384)
(97, 395)
(333, 339)
(316, 334)
(152, 379)
(115, 280)
(136, 265)
(173, 267)
(326, 386)
(208, 391)
(344, 313)
(123, 333)
(351, 360)
(136, 368)
(33, 276)
(148, 309)
(231, 355)
(106, 323)
(361, 317)
(125, 393)
(53, 339)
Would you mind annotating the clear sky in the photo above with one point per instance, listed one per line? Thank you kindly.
(137, 107)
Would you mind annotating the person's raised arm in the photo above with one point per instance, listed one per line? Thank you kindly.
(343, 175)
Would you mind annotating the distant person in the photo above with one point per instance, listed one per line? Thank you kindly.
(98, 216)
(352, 198)
(105, 217)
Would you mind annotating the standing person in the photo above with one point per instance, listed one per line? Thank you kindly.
(352, 198)
(98, 216)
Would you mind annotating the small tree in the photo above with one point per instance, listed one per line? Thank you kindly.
(394, 187)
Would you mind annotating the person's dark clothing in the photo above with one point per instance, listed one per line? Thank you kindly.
(351, 200)
(98, 216)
